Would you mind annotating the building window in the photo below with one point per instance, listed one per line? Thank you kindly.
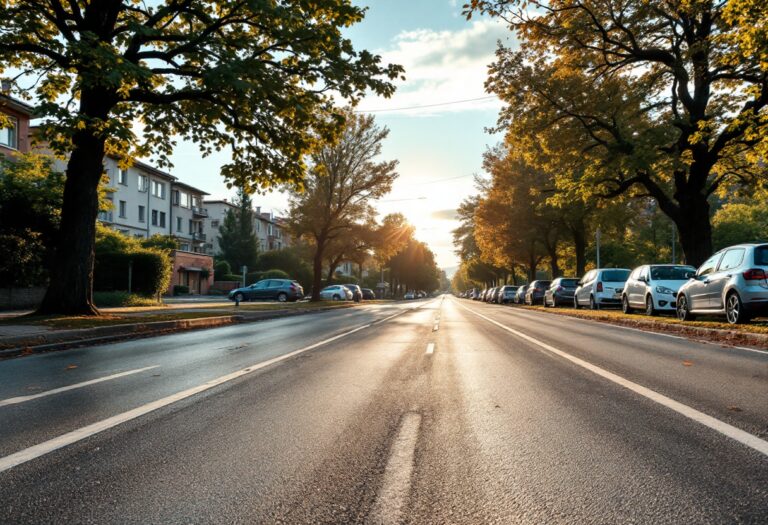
(162, 219)
(154, 217)
(175, 197)
(178, 225)
(158, 189)
(121, 207)
(122, 176)
(184, 199)
(9, 137)
(105, 216)
(142, 213)
(143, 183)
(214, 224)
(191, 226)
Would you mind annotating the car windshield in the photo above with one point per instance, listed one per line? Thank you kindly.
(569, 283)
(671, 273)
(615, 276)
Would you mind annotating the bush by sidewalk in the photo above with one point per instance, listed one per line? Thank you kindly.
(113, 299)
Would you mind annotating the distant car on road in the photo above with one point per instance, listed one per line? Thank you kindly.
(733, 282)
(520, 294)
(601, 287)
(269, 289)
(507, 294)
(336, 292)
(560, 292)
(409, 295)
(368, 294)
(535, 292)
(653, 287)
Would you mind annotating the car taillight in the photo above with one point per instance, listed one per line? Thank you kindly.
(755, 274)
(599, 287)
(559, 289)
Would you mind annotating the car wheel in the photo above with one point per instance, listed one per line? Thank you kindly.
(593, 305)
(239, 297)
(734, 309)
(336, 298)
(683, 313)
(625, 305)
(282, 297)
(649, 308)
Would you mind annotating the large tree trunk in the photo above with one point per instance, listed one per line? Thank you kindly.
(694, 228)
(317, 270)
(580, 247)
(70, 291)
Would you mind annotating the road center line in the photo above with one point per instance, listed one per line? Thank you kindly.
(23, 399)
(431, 348)
(41, 449)
(396, 485)
(745, 438)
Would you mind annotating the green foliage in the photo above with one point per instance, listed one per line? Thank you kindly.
(161, 242)
(236, 278)
(736, 223)
(180, 289)
(152, 267)
(116, 299)
(220, 269)
(415, 267)
(275, 274)
(237, 239)
(22, 261)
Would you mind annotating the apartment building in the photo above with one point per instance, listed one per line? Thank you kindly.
(148, 201)
(15, 138)
(270, 231)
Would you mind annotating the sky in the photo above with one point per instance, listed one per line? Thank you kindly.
(439, 148)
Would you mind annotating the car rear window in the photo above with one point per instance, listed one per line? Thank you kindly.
(671, 273)
(569, 283)
(761, 256)
(615, 276)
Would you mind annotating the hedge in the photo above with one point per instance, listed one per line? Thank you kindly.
(150, 276)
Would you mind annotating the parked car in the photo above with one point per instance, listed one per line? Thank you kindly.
(489, 295)
(653, 287)
(368, 294)
(269, 289)
(497, 295)
(520, 294)
(507, 294)
(535, 292)
(410, 295)
(733, 282)
(601, 287)
(560, 292)
(336, 292)
(357, 292)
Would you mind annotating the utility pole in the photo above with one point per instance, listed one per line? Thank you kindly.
(597, 245)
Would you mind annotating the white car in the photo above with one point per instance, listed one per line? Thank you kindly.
(336, 292)
(601, 287)
(409, 295)
(653, 287)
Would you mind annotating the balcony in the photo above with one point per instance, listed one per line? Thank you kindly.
(200, 212)
(199, 237)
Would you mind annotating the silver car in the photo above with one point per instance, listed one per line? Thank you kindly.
(336, 292)
(600, 287)
(732, 283)
(653, 287)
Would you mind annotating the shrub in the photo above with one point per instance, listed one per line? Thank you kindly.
(110, 299)
(275, 274)
(151, 272)
(220, 269)
(180, 289)
(231, 277)
(216, 291)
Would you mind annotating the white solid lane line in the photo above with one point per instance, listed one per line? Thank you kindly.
(431, 348)
(23, 399)
(745, 438)
(69, 438)
(396, 485)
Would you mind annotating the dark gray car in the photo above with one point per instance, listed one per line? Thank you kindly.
(269, 290)
(560, 292)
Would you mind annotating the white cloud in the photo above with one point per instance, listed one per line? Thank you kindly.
(443, 66)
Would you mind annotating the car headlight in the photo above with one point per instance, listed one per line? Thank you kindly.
(665, 290)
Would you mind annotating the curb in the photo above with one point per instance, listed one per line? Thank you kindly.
(710, 335)
(114, 333)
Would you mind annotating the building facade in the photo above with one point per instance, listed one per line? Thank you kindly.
(270, 231)
(14, 137)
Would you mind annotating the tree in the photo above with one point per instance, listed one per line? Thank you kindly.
(414, 267)
(668, 99)
(237, 240)
(337, 195)
(252, 77)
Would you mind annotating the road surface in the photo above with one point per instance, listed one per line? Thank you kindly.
(434, 411)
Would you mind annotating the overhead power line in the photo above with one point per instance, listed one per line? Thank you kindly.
(427, 105)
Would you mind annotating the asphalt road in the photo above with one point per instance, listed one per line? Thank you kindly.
(439, 411)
